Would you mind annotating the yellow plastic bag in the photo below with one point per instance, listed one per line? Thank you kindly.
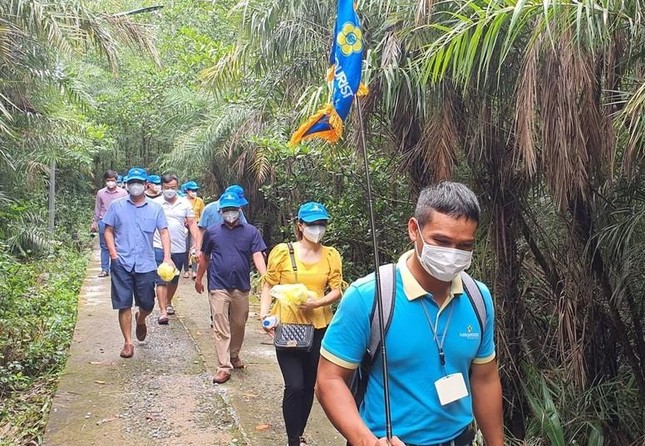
(167, 272)
(292, 294)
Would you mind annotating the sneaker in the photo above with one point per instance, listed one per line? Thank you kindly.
(104, 274)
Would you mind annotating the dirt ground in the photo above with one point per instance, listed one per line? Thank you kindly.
(164, 394)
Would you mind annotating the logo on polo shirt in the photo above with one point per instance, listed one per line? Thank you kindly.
(469, 333)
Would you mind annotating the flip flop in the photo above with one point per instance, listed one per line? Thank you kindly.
(186, 275)
(170, 310)
(162, 320)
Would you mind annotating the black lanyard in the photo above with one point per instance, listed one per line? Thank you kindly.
(442, 354)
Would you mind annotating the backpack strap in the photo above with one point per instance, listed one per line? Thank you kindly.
(476, 299)
(293, 259)
(388, 295)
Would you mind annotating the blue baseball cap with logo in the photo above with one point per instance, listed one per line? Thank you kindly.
(312, 211)
(119, 179)
(190, 185)
(136, 173)
(230, 200)
(154, 179)
(239, 191)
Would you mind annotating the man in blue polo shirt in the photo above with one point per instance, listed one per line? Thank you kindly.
(227, 251)
(130, 226)
(441, 366)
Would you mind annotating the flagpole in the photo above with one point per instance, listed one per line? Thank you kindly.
(379, 297)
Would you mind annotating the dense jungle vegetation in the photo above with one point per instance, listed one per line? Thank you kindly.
(537, 105)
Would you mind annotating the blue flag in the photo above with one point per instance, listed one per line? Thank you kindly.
(345, 72)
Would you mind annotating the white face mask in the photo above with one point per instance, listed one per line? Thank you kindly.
(192, 194)
(110, 184)
(156, 188)
(443, 263)
(135, 189)
(314, 233)
(169, 193)
(230, 216)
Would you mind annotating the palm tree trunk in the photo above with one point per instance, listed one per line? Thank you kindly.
(584, 231)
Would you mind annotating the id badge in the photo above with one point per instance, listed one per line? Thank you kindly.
(451, 388)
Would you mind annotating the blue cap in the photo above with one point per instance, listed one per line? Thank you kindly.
(239, 191)
(136, 173)
(312, 211)
(191, 185)
(230, 200)
(119, 179)
(154, 179)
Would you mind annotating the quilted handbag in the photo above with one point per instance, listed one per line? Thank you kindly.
(294, 337)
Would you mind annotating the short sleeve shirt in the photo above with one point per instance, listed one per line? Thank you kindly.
(198, 206)
(230, 251)
(176, 215)
(134, 228)
(413, 354)
(325, 274)
(105, 197)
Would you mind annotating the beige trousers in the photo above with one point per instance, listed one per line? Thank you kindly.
(230, 310)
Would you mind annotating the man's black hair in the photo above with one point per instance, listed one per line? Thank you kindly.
(169, 177)
(453, 199)
(110, 174)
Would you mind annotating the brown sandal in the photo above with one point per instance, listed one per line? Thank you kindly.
(128, 351)
(141, 330)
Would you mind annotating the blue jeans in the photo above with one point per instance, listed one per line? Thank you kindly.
(105, 254)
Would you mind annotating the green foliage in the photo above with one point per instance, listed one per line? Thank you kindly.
(336, 179)
(564, 416)
(149, 103)
(37, 317)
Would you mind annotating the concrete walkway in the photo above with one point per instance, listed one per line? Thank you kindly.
(164, 395)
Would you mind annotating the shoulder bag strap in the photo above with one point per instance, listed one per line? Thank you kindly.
(476, 299)
(388, 293)
(293, 259)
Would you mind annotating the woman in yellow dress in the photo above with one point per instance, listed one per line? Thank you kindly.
(319, 268)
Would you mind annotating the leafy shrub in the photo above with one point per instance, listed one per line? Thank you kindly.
(37, 318)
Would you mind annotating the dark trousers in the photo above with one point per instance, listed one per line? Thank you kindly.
(299, 372)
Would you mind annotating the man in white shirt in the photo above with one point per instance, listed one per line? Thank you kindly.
(179, 214)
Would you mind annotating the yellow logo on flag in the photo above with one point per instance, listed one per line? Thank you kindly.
(350, 39)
